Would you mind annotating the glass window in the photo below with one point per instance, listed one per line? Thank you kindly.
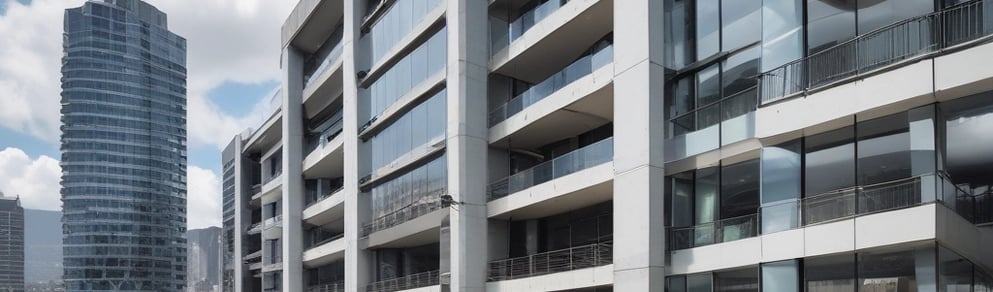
(830, 273)
(741, 22)
(682, 97)
(897, 271)
(967, 124)
(707, 28)
(955, 272)
(876, 14)
(676, 284)
(707, 186)
(708, 85)
(781, 276)
(884, 149)
(830, 161)
(699, 283)
(740, 70)
(746, 279)
(781, 168)
(682, 199)
(739, 189)
(829, 22)
(678, 36)
(782, 32)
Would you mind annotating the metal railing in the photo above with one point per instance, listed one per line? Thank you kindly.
(976, 207)
(723, 230)
(905, 40)
(332, 128)
(277, 174)
(318, 241)
(578, 69)
(427, 204)
(849, 202)
(412, 281)
(579, 159)
(524, 22)
(573, 258)
(315, 198)
(255, 228)
(332, 287)
(336, 38)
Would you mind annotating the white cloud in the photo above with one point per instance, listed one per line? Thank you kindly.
(203, 198)
(227, 41)
(35, 180)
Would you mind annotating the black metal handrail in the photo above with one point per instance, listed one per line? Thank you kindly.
(412, 281)
(908, 39)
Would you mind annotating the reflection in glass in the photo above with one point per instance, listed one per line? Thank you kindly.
(955, 272)
(782, 32)
(746, 279)
(682, 199)
(830, 161)
(781, 276)
(739, 189)
(829, 22)
(830, 273)
(873, 15)
(708, 85)
(884, 149)
(707, 186)
(908, 270)
(742, 23)
(708, 32)
(699, 283)
(404, 76)
(678, 33)
(740, 70)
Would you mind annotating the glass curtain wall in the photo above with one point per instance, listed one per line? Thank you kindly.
(414, 129)
(782, 276)
(396, 24)
(781, 181)
(418, 189)
(425, 61)
(716, 204)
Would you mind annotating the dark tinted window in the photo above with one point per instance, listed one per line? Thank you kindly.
(830, 273)
(708, 34)
(741, 22)
(884, 149)
(829, 22)
(830, 161)
(740, 189)
(875, 14)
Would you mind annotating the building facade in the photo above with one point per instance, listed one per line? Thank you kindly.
(123, 149)
(11, 244)
(628, 145)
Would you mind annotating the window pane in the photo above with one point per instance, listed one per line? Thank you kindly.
(707, 28)
(699, 283)
(746, 279)
(682, 199)
(830, 273)
(829, 22)
(707, 185)
(884, 149)
(781, 168)
(896, 271)
(782, 32)
(742, 23)
(740, 70)
(780, 277)
(708, 85)
(676, 284)
(739, 189)
(682, 97)
(876, 14)
(830, 159)
(678, 35)
(956, 272)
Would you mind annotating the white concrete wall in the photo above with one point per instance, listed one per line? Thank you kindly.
(575, 279)
(292, 177)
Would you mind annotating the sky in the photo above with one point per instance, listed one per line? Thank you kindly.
(233, 52)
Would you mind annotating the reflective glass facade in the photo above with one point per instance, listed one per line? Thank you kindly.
(123, 149)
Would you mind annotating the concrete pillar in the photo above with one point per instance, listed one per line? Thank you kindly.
(466, 141)
(639, 232)
(358, 261)
(292, 207)
(242, 218)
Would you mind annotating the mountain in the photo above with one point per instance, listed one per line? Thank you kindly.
(203, 247)
(42, 246)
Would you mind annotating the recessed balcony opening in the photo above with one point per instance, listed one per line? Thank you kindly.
(326, 278)
(568, 241)
(398, 269)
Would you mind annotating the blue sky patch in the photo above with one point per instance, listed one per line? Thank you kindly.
(31, 145)
(237, 99)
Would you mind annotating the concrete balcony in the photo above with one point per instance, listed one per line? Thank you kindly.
(326, 210)
(272, 227)
(310, 22)
(419, 228)
(577, 179)
(325, 253)
(543, 115)
(327, 160)
(419, 282)
(560, 281)
(554, 41)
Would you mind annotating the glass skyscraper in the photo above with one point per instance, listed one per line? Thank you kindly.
(123, 149)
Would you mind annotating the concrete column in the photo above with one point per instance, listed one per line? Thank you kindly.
(466, 141)
(639, 232)
(358, 261)
(292, 128)
(242, 217)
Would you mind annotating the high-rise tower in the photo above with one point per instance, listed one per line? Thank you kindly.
(123, 149)
(11, 244)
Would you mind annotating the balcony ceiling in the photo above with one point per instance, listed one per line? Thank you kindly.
(317, 26)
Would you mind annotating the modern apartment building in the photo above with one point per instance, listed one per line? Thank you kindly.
(628, 145)
(123, 149)
(11, 244)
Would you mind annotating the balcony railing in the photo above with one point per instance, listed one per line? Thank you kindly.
(332, 287)
(976, 207)
(428, 204)
(850, 202)
(256, 254)
(255, 228)
(318, 241)
(406, 282)
(314, 198)
(332, 128)
(574, 258)
(273, 221)
(336, 39)
(905, 40)
(524, 22)
(578, 69)
(724, 230)
(272, 177)
(580, 159)
(256, 189)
